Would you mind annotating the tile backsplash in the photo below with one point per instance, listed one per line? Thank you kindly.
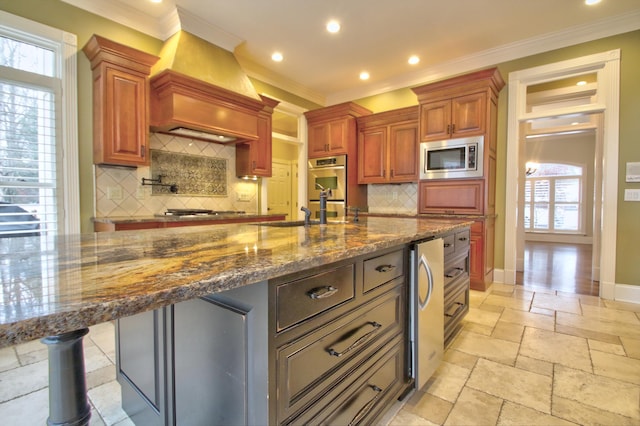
(393, 198)
(119, 191)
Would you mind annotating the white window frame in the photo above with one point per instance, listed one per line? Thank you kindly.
(552, 203)
(65, 46)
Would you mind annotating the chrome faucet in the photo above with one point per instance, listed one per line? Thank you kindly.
(307, 215)
(324, 194)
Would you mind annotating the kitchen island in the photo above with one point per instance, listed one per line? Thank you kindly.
(57, 287)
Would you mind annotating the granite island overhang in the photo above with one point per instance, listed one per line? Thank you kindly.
(59, 286)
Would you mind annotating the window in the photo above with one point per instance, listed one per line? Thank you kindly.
(38, 136)
(553, 199)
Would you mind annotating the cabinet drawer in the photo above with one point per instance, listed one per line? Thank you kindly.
(356, 394)
(449, 244)
(299, 300)
(308, 367)
(454, 270)
(454, 310)
(382, 269)
(462, 241)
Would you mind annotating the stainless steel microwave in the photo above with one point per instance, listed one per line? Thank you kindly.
(452, 158)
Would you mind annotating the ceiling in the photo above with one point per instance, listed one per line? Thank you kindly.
(450, 37)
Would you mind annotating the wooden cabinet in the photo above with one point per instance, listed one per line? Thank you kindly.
(458, 107)
(120, 102)
(388, 147)
(453, 118)
(332, 130)
(254, 158)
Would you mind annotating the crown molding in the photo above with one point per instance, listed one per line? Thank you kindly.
(195, 25)
(575, 35)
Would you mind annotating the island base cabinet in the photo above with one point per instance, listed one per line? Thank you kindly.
(215, 359)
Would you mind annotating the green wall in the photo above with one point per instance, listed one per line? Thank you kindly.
(61, 15)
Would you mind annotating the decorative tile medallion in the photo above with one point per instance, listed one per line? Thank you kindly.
(194, 175)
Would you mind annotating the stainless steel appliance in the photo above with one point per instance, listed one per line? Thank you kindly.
(427, 309)
(328, 173)
(452, 158)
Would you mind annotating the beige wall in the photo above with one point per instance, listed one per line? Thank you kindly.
(83, 24)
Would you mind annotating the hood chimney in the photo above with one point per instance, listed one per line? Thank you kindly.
(199, 90)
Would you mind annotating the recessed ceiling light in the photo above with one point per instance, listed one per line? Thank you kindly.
(277, 57)
(156, 1)
(581, 83)
(591, 2)
(414, 59)
(364, 75)
(333, 26)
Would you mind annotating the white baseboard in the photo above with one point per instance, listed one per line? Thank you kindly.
(610, 291)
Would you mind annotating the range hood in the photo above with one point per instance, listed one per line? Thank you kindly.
(198, 90)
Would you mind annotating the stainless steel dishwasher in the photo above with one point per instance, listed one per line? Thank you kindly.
(427, 309)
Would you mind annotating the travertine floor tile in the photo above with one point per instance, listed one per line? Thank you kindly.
(512, 384)
(508, 331)
(557, 348)
(107, 400)
(100, 376)
(622, 306)
(597, 391)
(516, 414)
(612, 348)
(406, 418)
(534, 365)
(460, 359)
(472, 327)
(509, 302)
(432, 408)
(23, 380)
(631, 347)
(582, 414)
(447, 381)
(588, 334)
(497, 350)
(615, 328)
(616, 366)
(491, 308)
(31, 409)
(556, 303)
(480, 316)
(542, 311)
(611, 315)
(528, 319)
(475, 407)
(8, 359)
(103, 336)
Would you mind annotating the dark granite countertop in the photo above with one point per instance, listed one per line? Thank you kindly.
(53, 285)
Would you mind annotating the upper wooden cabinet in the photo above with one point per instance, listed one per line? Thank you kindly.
(453, 118)
(332, 130)
(254, 158)
(388, 147)
(120, 102)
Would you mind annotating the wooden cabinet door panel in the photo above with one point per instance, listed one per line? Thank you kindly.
(318, 139)
(468, 115)
(125, 131)
(372, 156)
(435, 120)
(338, 136)
(403, 153)
(452, 197)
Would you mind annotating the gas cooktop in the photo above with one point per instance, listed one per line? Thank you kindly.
(199, 212)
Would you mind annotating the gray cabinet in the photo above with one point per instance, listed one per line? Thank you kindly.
(456, 281)
(324, 345)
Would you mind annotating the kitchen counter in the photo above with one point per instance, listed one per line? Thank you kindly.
(120, 223)
(56, 285)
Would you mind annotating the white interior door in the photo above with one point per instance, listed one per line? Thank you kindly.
(279, 189)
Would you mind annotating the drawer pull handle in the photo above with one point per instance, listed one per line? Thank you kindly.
(462, 239)
(458, 309)
(322, 292)
(376, 326)
(456, 272)
(385, 268)
(367, 407)
(447, 245)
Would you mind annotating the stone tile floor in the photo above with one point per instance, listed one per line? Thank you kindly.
(523, 357)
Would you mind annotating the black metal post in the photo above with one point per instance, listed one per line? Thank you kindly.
(68, 402)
